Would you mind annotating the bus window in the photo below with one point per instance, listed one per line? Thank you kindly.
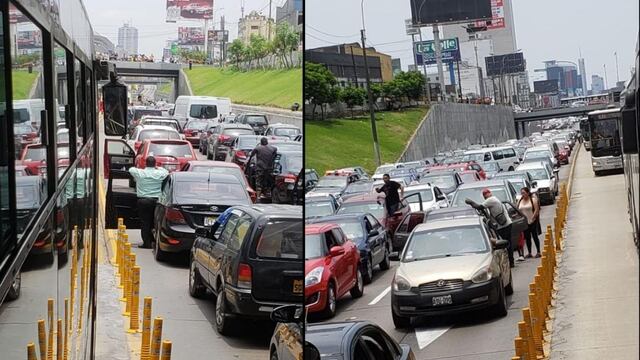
(62, 115)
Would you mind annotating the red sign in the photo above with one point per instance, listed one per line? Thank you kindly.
(190, 36)
(497, 19)
(189, 10)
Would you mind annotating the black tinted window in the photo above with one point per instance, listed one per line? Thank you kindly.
(203, 111)
(281, 239)
(256, 120)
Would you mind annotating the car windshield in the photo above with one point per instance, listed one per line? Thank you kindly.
(412, 165)
(20, 116)
(40, 153)
(204, 192)
(439, 243)
(313, 246)
(177, 150)
(196, 125)
(227, 170)
(158, 134)
(536, 154)
(468, 177)
(237, 131)
(352, 229)
(538, 174)
(337, 182)
(478, 157)
(475, 194)
(384, 169)
(287, 146)
(426, 195)
(161, 123)
(375, 209)
(359, 187)
(441, 181)
(518, 184)
(256, 120)
(286, 131)
(248, 142)
(203, 111)
(281, 239)
(137, 114)
(318, 209)
(293, 163)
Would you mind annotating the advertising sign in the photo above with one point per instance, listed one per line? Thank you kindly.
(429, 12)
(31, 39)
(545, 86)
(426, 52)
(411, 30)
(497, 17)
(189, 10)
(218, 35)
(499, 65)
(190, 36)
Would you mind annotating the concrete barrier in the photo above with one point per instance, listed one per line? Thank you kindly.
(450, 126)
(274, 115)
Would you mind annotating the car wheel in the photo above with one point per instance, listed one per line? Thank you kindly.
(368, 272)
(158, 254)
(196, 287)
(500, 308)
(509, 288)
(358, 289)
(386, 262)
(400, 322)
(330, 305)
(223, 323)
(14, 290)
(552, 200)
(274, 355)
(209, 156)
(510, 168)
(275, 195)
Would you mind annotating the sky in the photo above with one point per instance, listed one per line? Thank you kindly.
(545, 30)
(149, 16)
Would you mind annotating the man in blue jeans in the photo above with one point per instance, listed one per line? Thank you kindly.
(148, 188)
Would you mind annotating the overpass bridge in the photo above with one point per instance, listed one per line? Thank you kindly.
(521, 119)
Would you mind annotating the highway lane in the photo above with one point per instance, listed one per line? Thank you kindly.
(465, 336)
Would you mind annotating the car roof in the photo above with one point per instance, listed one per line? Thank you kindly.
(337, 218)
(531, 165)
(235, 126)
(190, 176)
(155, 127)
(418, 187)
(448, 223)
(272, 211)
(482, 184)
(538, 148)
(319, 227)
(328, 337)
(281, 125)
(213, 163)
(169, 142)
(453, 212)
(372, 197)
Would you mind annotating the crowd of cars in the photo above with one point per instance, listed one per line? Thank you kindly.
(451, 258)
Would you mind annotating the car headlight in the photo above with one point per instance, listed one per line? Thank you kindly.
(482, 275)
(314, 276)
(595, 163)
(401, 284)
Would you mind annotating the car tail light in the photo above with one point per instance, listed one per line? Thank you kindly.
(173, 241)
(244, 276)
(188, 132)
(241, 154)
(223, 138)
(174, 216)
(291, 179)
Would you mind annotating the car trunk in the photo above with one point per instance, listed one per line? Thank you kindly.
(195, 215)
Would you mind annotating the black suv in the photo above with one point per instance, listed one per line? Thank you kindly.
(252, 260)
(258, 122)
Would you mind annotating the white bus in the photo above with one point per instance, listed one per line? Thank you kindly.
(604, 129)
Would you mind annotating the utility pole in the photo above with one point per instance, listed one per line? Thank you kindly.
(606, 82)
(374, 130)
(617, 74)
(436, 44)
(424, 68)
(269, 22)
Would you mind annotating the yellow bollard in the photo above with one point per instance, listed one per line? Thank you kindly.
(166, 350)
(66, 329)
(526, 315)
(540, 294)
(126, 249)
(135, 300)
(128, 284)
(51, 326)
(59, 350)
(31, 351)
(146, 329)
(125, 271)
(42, 339)
(525, 334)
(120, 246)
(154, 353)
(519, 345)
(536, 329)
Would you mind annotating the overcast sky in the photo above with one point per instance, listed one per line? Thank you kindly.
(545, 30)
(149, 17)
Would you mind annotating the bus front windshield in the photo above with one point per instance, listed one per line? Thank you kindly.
(605, 138)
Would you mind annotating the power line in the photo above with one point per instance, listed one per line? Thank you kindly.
(327, 34)
(323, 40)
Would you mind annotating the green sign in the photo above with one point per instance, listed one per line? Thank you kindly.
(174, 49)
(428, 48)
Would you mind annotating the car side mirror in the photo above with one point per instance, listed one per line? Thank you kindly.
(336, 251)
(374, 232)
(556, 170)
(501, 244)
(202, 232)
(115, 108)
(534, 184)
(286, 313)
(440, 197)
(171, 112)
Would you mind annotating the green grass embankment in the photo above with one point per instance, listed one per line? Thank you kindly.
(22, 82)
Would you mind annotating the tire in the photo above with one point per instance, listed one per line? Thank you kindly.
(386, 262)
(358, 289)
(330, 305)
(14, 290)
(400, 322)
(158, 254)
(510, 168)
(209, 156)
(274, 355)
(196, 287)
(509, 288)
(367, 275)
(552, 200)
(223, 323)
(500, 308)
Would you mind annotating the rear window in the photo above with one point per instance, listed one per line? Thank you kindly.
(203, 111)
(256, 120)
(158, 134)
(20, 115)
(237, 131)
(196, 125)
(40, 153)
(209, 193)
(177, 150)
(286, 132)
(290, 146)
(281, 239)
(237, 172)
(137, 114)
(161, 123)
(248, 142)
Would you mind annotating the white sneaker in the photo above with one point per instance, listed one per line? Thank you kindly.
(521, 258)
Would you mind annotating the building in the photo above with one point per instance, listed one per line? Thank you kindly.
(255, 24)
(597, 84)
(567, 75)
(348, 68)
(128, 39)
(384, 60)
(396, 66)
(583, 75)
(291, 13)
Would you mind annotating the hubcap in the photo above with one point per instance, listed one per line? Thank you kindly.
(369, 269)
(332, 300)
(192, 275)
(219, 305)
(359, 280)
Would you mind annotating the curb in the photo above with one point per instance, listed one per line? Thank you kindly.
(574, 160)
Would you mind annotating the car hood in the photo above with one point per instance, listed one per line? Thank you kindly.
(454, 267)
(543, 184)
(426, 205)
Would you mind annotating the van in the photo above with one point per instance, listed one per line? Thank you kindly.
(30, 109)
(505, 156)
(200, 107)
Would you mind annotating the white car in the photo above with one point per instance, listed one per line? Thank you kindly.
(144, 132)
(383, 169)
(432, 197)
(538, 151)
(545, 180)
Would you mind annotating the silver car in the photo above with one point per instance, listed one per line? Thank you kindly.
(451, 266)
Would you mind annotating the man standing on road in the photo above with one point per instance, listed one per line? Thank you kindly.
(390, 189)
(148, 188)
(499, 212)
(265, 154)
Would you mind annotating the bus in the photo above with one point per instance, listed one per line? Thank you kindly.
(48, 176)
(604, 137)
(586, 135)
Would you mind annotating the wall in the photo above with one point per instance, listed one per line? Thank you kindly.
(452, 126)
(274, 115)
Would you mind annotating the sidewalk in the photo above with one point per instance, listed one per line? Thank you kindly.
(597, 302)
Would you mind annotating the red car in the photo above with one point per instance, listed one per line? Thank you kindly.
(193, 129)
(374, 203)
(170, 154)
(470, 165)
(221, 167)
(34, 158)
(469, 176)
(563, 156)
(241, 149)
(331, 268)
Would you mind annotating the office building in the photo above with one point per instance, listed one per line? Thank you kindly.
(567, 75)
(597, 84)
(396, 66)
(290, 12)
(255, 24)
(348, 68)
(383, 59)
(128, 39)
(583, 75)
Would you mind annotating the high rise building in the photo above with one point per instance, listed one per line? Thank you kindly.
(567, 75)
(290, 12)
(128, 39)
(255, 24)
(597, 84)
(583, 75)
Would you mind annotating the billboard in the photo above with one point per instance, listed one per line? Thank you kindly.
(189, 10)
(426, 52)
(497, 17)
(31, 39)
(190, 36)
(218, 35)
(428, 12)
(545, 86)
(505, 64)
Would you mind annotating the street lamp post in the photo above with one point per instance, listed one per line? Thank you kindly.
(374, 130)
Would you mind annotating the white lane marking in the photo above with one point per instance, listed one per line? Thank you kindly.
(379, 297)
(426, 336)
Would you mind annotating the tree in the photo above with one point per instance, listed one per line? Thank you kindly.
(236, 51)
(353, 96)
(392, 91)
(376, 93)
(319, 86)
(411, 84)
(285, 42)
(257, 47)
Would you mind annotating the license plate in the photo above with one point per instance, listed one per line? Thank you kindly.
(209, 220)
(297, 286)
(441, 300)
